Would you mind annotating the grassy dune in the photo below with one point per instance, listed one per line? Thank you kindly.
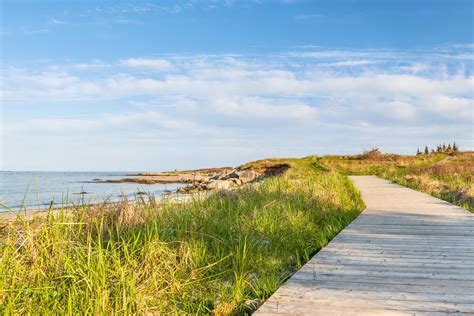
(224, 254)
(448, 177)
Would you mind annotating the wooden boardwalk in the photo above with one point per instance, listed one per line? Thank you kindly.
(407, 254)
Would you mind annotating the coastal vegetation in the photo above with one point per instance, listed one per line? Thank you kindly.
(447, 175)
(440, 149)
(222, 254)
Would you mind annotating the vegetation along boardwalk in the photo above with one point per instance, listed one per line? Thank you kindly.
(407, 254)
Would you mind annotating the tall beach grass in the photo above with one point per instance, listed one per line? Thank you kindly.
(223, 254)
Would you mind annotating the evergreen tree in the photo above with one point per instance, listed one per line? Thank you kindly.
(426, 150)
(455, 147)
(432, 151)
(418, 152)
(449, 148)
(438, 149)
(444, 147)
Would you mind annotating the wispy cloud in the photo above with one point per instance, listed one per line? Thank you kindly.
(415, 68)
(231, 101)
(35, 31)
(94, 64)
(54, 21)
(349, 63)
(263, 88)
(149, 119)
(156, 64)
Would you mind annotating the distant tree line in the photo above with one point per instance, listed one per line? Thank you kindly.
(440, 149)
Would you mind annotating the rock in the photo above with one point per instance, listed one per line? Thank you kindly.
(247, 175)
(223, 181)
(212, 184)
(220, 185)
(82, 193)
(231, 175)
(197, 183)
(237, 181)
(182, 190)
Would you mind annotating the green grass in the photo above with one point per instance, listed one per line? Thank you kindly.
(448, 177)
(224, 254)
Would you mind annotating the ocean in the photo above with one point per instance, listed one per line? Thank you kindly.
(36, 190)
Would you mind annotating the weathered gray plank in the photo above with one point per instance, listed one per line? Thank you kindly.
(407, 254)
(449, 293)
(351, 261)
(467, 285)
(398, 253)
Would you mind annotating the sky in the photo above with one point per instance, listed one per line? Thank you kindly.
(160, 85)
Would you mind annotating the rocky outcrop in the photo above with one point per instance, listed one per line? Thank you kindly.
(186, 176)
(207, 179)
(246, 176)
(225, 181)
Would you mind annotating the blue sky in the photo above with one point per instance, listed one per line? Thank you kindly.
(154, 85)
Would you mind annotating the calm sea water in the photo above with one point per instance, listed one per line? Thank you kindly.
(40, 188)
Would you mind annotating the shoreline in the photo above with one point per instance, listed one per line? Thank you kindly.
(200, 183)
(29, 214)
(168, 177)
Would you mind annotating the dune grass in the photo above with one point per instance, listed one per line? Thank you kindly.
(224, 254)
(448, 177)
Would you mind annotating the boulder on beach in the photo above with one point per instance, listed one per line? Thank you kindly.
(246, 175)
(220, 185)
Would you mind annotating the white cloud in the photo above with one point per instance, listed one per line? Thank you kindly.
(251, 108)
(335, 55)
(462, 56)
(257, 89)
(213, 106)
(94, 64)
(350, 63)
(54, 21)
(35, 31)
(415, 68)
(452, 107)
(136, 121)
(401, 110)
(156, 64)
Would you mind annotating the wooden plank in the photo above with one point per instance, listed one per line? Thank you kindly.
(389, 247)
(289, 309)
(447, 292)
(398, 253)
(466, 285)
(328, 300)
(352, 234)
(439, 276)
(407, 253)
(410, 230)
(419, 243)
(405, 239)
(380, 293)
(313, 298)
(440, 272)
(427, 264)
(406, 244)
